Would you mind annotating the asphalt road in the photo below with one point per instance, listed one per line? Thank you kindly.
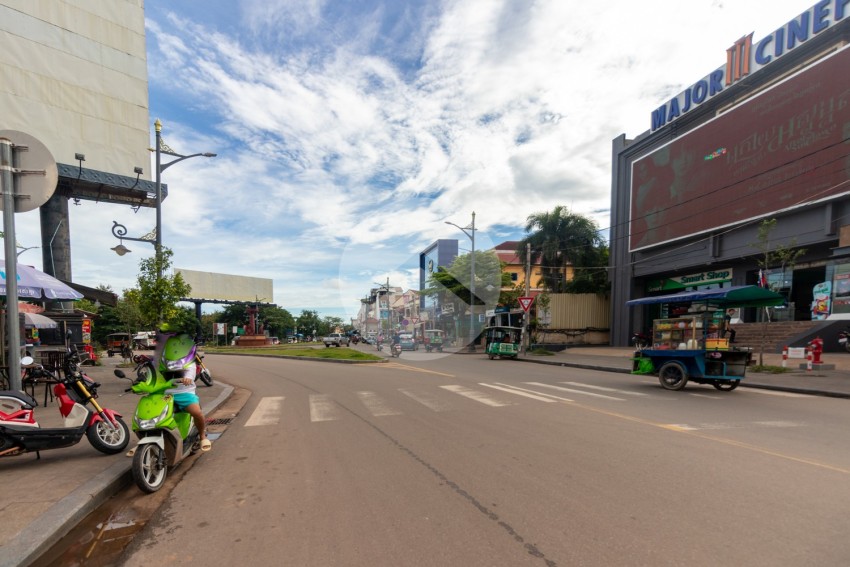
(434, 460)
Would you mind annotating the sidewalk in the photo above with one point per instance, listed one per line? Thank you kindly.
(41, 500)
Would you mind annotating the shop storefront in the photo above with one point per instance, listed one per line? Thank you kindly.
(761, 138)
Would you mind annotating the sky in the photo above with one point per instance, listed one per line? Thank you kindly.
(349, 132)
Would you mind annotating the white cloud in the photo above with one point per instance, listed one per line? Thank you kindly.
(348, 133)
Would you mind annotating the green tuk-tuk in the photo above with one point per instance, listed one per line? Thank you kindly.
(503, 342)
(433, 340)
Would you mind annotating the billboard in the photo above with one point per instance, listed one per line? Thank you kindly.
(224, 287)
(787, 147)
(74, 76)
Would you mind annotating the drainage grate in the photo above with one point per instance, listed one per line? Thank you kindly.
(220, 421)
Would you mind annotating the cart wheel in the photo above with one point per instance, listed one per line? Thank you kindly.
(726, 386)
(491, 356)
(672, 376)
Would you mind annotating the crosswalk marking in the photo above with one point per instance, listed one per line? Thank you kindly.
(323, 408)
(376, 405)
(517, 391)
(267, 412)
(573, 391)
(604, 389)
(427, 399)
(475, 395)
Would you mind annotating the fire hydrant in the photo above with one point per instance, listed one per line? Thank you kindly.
(816, 348)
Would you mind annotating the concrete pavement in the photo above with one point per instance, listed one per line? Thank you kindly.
(41, 500)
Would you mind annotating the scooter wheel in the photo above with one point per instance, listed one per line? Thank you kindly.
(108, 440)
(149, 467)
(206, 377)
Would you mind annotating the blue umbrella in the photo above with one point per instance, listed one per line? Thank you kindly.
(35, 284)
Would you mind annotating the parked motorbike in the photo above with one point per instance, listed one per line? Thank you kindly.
(844, 338)
(74, 392)
(166, 436)
(641, 340)
(396, 350)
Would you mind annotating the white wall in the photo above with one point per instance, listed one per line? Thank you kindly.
(73, 73)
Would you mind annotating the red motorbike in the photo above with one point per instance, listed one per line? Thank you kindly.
(75, 392)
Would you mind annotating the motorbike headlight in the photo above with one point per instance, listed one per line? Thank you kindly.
(150, 423)
(174, 365)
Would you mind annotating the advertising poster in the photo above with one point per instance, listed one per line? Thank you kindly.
(820, 303)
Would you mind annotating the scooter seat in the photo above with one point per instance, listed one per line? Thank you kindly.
(28, 401)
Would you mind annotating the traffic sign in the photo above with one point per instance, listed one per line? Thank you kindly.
(525, 303)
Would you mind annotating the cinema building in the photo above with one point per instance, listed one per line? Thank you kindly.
(764, 137)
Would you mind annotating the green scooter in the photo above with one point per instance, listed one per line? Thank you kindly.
(166, 436)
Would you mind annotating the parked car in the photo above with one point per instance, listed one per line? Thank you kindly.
(407, 342)
(274, 340)
(336, 339)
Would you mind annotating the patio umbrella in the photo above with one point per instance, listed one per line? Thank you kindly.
(39, 321)
(35, 284)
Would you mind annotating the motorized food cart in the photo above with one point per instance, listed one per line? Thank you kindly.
(433, 340)
(689, 346)
(503, 342)
(116, 342)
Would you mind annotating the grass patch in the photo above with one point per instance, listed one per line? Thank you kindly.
(767, 369)
(541, 352)
(334, 353)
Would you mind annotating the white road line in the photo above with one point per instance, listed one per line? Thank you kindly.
(780, 423)
(376, 405)
(480, 397)
(772, 393)
(570, 390)
(323, 408)
(428, 400)
(267, 412)
(517, 391)
(722, 426)
(604, 389)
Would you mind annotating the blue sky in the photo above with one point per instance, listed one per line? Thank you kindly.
(348, 132)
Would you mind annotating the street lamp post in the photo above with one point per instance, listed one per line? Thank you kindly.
(471, 235)
(162, 148)
(154, 237)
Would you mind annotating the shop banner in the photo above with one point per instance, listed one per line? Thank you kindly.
(692, 280)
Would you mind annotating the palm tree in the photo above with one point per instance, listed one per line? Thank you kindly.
(559, 239)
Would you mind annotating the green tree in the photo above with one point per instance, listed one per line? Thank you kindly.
(309, 321)
(158, 297)
(782, 256)
(453, 283)
(559, 239)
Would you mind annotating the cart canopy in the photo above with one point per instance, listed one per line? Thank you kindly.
(737, 296)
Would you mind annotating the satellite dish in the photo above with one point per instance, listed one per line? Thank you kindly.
(36, 186)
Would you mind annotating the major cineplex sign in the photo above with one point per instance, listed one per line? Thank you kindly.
(782, 149)
(743, 59)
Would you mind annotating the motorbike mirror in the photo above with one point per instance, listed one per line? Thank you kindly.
(27, 361)
(120, 374)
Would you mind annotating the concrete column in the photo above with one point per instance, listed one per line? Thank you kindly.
(56, 258)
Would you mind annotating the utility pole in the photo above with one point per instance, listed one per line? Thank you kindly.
(527, 315)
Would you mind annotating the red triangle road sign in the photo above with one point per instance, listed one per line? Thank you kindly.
(525, 303)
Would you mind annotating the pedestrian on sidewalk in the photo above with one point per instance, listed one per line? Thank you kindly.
(727, 326)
